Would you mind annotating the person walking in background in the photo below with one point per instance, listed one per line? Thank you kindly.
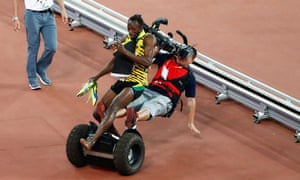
(39, 21)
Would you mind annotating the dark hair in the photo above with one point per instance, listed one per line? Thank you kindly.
(195, 52)
(138, 18)
(187, 51)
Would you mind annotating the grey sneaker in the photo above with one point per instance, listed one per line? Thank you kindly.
(34, 86)
(44, 80)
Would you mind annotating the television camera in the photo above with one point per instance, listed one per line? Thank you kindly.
(164, 41)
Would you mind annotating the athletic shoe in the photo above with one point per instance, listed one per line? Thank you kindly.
(44, 79)
(34, 86)
(130, 118)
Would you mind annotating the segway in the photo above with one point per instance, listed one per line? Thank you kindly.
(125, 153)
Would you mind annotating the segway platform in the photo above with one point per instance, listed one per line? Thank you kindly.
(124, 153)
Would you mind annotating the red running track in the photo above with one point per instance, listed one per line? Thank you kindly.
(260, 39)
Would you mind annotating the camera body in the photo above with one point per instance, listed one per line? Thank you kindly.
(170, 45)
(166, 42)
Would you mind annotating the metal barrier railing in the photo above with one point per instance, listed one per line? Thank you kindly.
(267, 102)
(95, 16)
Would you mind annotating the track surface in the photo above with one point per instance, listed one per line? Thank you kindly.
(260, 39)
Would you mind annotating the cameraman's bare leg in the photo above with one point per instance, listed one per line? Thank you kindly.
(143, 115)
(121, 113)
(119, 102)
(133, 117)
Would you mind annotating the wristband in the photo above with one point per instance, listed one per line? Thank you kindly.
(15, 18)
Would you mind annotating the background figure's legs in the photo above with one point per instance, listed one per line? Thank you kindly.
(49, 33)
(32, 24)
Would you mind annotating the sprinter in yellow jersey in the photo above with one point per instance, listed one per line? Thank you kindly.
(126, 90)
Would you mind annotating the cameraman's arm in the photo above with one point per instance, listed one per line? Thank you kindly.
(190, 93)
(150, 50)
(191, 103)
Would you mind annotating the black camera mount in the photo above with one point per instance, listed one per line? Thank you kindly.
(166, 41)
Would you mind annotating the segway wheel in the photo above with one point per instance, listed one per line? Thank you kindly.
(129, 153)
(74, 150)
